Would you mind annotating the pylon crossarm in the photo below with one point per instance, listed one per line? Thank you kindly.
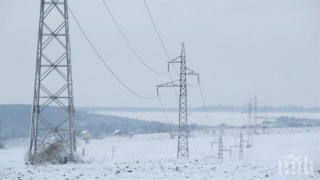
(226, 149)
(191, 72)
(170, 84)
(173, 61)
(176, 60)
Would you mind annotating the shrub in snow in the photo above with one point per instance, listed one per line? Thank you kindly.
(53, 153)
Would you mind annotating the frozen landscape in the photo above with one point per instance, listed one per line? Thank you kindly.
(153, 156)
(159, 90)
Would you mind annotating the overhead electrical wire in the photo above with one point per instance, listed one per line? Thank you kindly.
(162, 44)
(105, 64)
(136, 54)
(158, 34)
(204, 104)
(164, 112)
(127, 41)
(156, 29)
(166, 52)
(129, 44)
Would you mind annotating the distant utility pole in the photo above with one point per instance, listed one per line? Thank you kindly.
(255, 109)
(221, 148)
(220, 152)
(250, 128)
(53, 82)
(241, 145)
(265, 119)
(183, 147)
(113, 150)
(252, 111)
(265, 113)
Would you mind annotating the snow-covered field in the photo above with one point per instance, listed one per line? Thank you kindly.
(153, 157)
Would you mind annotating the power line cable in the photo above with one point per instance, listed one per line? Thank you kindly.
(162, 44)
(159, 37)
(127, 41)
(136, 54)
(156, 29)
(204, 104)
(98, 54)
(165, 50)
(173, 34)
(164, 112)
(103, 61)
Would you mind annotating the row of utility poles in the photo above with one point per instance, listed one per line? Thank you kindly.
(222, 148)
(252, 111)
(253, 117)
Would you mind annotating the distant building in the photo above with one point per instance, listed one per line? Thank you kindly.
(86, 135)
(118, 132)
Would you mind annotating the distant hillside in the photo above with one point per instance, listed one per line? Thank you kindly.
(16, 122)
(286, 121)
(218, 108)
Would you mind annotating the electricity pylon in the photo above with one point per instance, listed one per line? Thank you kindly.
(221, 148)
(53, 82)
(183, 133)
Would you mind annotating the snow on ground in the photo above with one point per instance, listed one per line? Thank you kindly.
(153, 157)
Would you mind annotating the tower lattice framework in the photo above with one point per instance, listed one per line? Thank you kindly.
(53, 108)
(183, 131)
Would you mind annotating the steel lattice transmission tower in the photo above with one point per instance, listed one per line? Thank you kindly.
(183, 133)
(53, 82)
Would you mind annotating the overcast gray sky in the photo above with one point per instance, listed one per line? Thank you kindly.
(240, 47)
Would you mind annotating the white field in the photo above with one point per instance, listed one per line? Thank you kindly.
(215, 118)
(153, 157)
